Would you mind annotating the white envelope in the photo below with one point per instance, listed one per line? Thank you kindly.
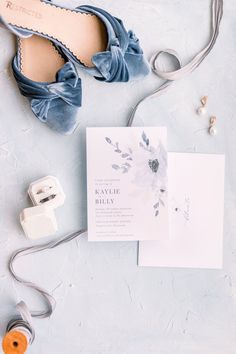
(196, 208)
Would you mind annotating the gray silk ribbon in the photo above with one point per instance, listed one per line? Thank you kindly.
(169, 77)
(181, 71)
(49, 299)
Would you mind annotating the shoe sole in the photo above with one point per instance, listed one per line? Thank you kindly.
(82, 34)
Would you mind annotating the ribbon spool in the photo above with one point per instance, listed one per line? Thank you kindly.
(15, 342)
(19, 333)
(18, 337)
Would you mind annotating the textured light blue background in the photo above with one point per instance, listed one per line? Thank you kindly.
(105, 303)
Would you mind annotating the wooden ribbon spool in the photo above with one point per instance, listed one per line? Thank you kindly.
(15, 342)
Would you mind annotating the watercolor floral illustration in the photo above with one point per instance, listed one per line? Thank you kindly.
(149, 165)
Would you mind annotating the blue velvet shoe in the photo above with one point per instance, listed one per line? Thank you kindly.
(50, 82)
(48, 79)
(87, 35)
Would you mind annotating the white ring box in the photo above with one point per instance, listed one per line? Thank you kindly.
(47, 191)
(46, 195)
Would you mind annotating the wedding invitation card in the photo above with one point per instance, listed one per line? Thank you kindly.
(196, 208)
(127, 185)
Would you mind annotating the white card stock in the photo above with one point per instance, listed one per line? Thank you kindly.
(196, 207)
(127, 184)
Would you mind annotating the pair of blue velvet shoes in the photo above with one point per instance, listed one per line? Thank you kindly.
(56, 103)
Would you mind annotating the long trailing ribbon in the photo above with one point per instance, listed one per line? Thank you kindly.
(49, 299)
(169, 77)
(181, 71)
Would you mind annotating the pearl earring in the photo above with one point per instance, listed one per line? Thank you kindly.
(212, 127)
(202, 109)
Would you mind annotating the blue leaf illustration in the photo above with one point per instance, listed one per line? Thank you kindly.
(108, 140)
(116, 167)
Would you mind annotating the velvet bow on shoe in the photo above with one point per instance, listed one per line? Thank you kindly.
(56, 103)
(123, 60)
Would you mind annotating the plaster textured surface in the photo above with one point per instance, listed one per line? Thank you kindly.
(105, 303)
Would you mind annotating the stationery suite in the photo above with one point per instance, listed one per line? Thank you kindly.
(173, 203)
